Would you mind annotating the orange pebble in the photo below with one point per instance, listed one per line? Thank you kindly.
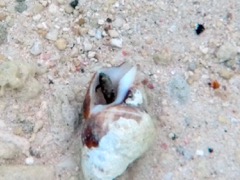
(215, 84)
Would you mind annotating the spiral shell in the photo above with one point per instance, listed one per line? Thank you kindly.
(115, 134)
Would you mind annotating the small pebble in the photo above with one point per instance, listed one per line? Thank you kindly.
(215, 84)
(42, 25)
(81, 21)
(162, 58)
(52, 35)
(227, 51)
(92, 32)
(113, 33)
(37, 8)
(21, 7)
(203, 49)
(91, 54)
(101, 21)
(83, 31)
(172, 28)
(210, 150)
(149, 40)
(192, 66)
(199, 29)
(68, 9)
(104, 34)
(87, 45)
(61, 44)
(74, 52)
(179, 89)
(109, 20)
(172, 136)
(98, 34)
(223, 120)
(74, 3)
(53, 9)
(116, 42)
(226, 74)
(193, 78)
(200, 153)
(37, 17)
(36, 48)
(29, 160)
(18, 131)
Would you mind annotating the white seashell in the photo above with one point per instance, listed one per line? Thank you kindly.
(117, 133)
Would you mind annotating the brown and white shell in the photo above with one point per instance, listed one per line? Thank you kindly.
(115, 134)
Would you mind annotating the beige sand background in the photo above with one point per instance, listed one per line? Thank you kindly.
(49, 52)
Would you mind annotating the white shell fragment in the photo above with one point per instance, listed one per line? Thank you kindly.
(136, 99)
(114, 134)
(36, 48)
(115, 42)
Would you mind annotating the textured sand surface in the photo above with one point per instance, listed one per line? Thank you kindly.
(192, 83)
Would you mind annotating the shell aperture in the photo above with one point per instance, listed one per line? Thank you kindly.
(106, 86)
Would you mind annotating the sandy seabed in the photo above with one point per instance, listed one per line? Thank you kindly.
(50, 50)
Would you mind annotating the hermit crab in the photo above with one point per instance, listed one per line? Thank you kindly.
(116, 128)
